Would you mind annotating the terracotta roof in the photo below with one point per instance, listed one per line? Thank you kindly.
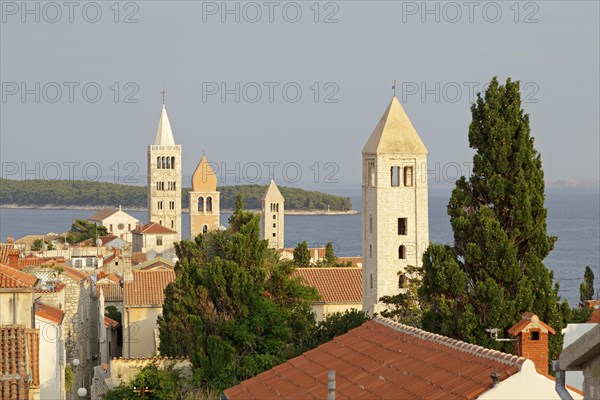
(354, 260)
(112, 292)
(152, 228)
(110, 323)
(527, 320)
(137, 258)
(107, 238)
(48, 312)
(4, 249)
(384, 359)
(147, 288)
(595, 317)
(12, 278)
(73, 273)
(103, 214)
(19, 361)
(156, 263)
(335, 285)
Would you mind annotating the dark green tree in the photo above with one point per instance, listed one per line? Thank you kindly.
(337, 324)
(330, 258)
(150, 383)
(82, 230)
(404, 307)
(586, 290)
(495, 271)
(37, 245)
(302, 255)
(233, 309)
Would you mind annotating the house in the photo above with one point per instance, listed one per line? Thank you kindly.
(116, 221)
(143, 301)
(48, 321)
(17, 290)
(156, 263)
(584, 355)
(108, 332)
(155, 240)
(340, 289)
(388, 360)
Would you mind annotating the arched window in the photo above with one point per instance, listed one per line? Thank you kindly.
(402, 252)
(201, 204)
(162, 163)
(172, 224)
(168, 162)
(204, 228)
(209, 204)
(370, 250)
(172, 162)
(158, 164)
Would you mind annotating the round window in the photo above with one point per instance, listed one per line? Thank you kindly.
(121, 227)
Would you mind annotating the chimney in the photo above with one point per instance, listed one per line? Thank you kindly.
(532, 340)
(13, 258)
(10, 240)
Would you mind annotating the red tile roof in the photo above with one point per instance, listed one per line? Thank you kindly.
(110, 323)
(113, 292)
(335, 285)
(72, 273)
(384, 359)
(354, 260)
(137, 258)
(12, 278)
(595, 317)
(152, 228)
(103, 214)
(107, 238)
(147, 288)
(48, 312)
(19, 361)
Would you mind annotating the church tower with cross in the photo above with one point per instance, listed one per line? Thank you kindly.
(164, 176)
(205, 212)
(395, 222)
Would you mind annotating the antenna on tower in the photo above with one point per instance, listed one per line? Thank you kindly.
(394, 81)
(163, 92)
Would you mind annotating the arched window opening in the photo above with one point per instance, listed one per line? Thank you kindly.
(168, 162)
(201, 204)
(402, 252)
(204, 228)
(158, 164)
(209, 204)
(172, 162)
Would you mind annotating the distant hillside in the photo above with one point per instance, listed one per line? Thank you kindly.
(40, 193)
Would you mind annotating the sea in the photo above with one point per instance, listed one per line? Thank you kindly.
(573, 217)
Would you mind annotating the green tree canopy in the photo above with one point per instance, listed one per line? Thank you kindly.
(495, 271)
(330, 258)
(82, 230)
(302, 255)
(586, 290)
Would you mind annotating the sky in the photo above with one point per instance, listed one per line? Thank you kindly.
(292, 89)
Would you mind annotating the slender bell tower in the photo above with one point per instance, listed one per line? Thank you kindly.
(204, 200)
(395, 227)
(164, 176)
(273, 216)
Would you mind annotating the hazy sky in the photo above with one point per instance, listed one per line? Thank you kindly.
(343, 64)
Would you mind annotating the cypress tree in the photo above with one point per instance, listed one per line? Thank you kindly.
(495, 271)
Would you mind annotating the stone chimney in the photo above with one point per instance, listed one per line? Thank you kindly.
(532, 340)
(13, 258)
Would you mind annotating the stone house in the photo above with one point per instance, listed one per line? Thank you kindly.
(155, 240)
(116, 221)
(49, 322)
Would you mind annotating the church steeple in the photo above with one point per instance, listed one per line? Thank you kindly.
(273, 214)
(164, 134)
(205, 211)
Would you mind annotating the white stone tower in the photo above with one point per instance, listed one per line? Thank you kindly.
(273, 217)
(164, 177)
(205, 211)
(395, 222)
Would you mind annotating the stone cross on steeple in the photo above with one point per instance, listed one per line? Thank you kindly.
(394, 86)
(163, 92)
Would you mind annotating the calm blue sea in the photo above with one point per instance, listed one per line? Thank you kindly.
(573, 216)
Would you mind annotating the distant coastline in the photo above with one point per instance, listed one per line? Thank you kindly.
(142, 209)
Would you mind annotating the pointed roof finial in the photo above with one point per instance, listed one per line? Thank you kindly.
(394, 86)
(163, 92)
(203, 152)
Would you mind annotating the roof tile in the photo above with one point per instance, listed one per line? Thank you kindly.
(335, 285)
(147, 288)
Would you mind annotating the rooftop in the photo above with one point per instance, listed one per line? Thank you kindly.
(48, 312)
(384, 359)
(335, 285)
(13, 279)
(147, 288)
(153, 228)
(19, 364)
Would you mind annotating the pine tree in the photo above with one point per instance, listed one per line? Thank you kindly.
(330, 258)
(495, 271)
(302, 255)
(586, 290)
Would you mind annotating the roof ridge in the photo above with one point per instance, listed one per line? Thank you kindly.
(470, 348)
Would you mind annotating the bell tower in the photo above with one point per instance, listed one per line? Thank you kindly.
(273, 217)
(395, 227)
(164, 177)
(204, 200)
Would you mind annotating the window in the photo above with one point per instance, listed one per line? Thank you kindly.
(172, 162)
(402, 252)
(274, 225)
(120, 227)
(370, 251)
(158, 163)
(274, 216)
(402, 226)
(371, 174)
(168, 162)
(174, 185)
(172, 224)
(128, 227)
(204, 228)
(371, 279)
(209, 204)
(402, 281)
(201, 204)
(534, 335)
(408, 176)
(160, 205)
(395, 176)
(159, 240)
(370, 224)
(160, 221)
(162, 162)
(273, 234)
(171, 205)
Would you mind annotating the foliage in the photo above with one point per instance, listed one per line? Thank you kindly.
(580, 315)
(103, 194)
(494, 272)
(82, 230)
(151, 383)
(586, 290)
(337, 324)
(69, 377)
(404, 307)
(37, 245)
(113, 312)
(233, 309)
(302, 255)
(330, 258)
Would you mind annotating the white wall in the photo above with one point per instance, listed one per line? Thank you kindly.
(51, 360)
